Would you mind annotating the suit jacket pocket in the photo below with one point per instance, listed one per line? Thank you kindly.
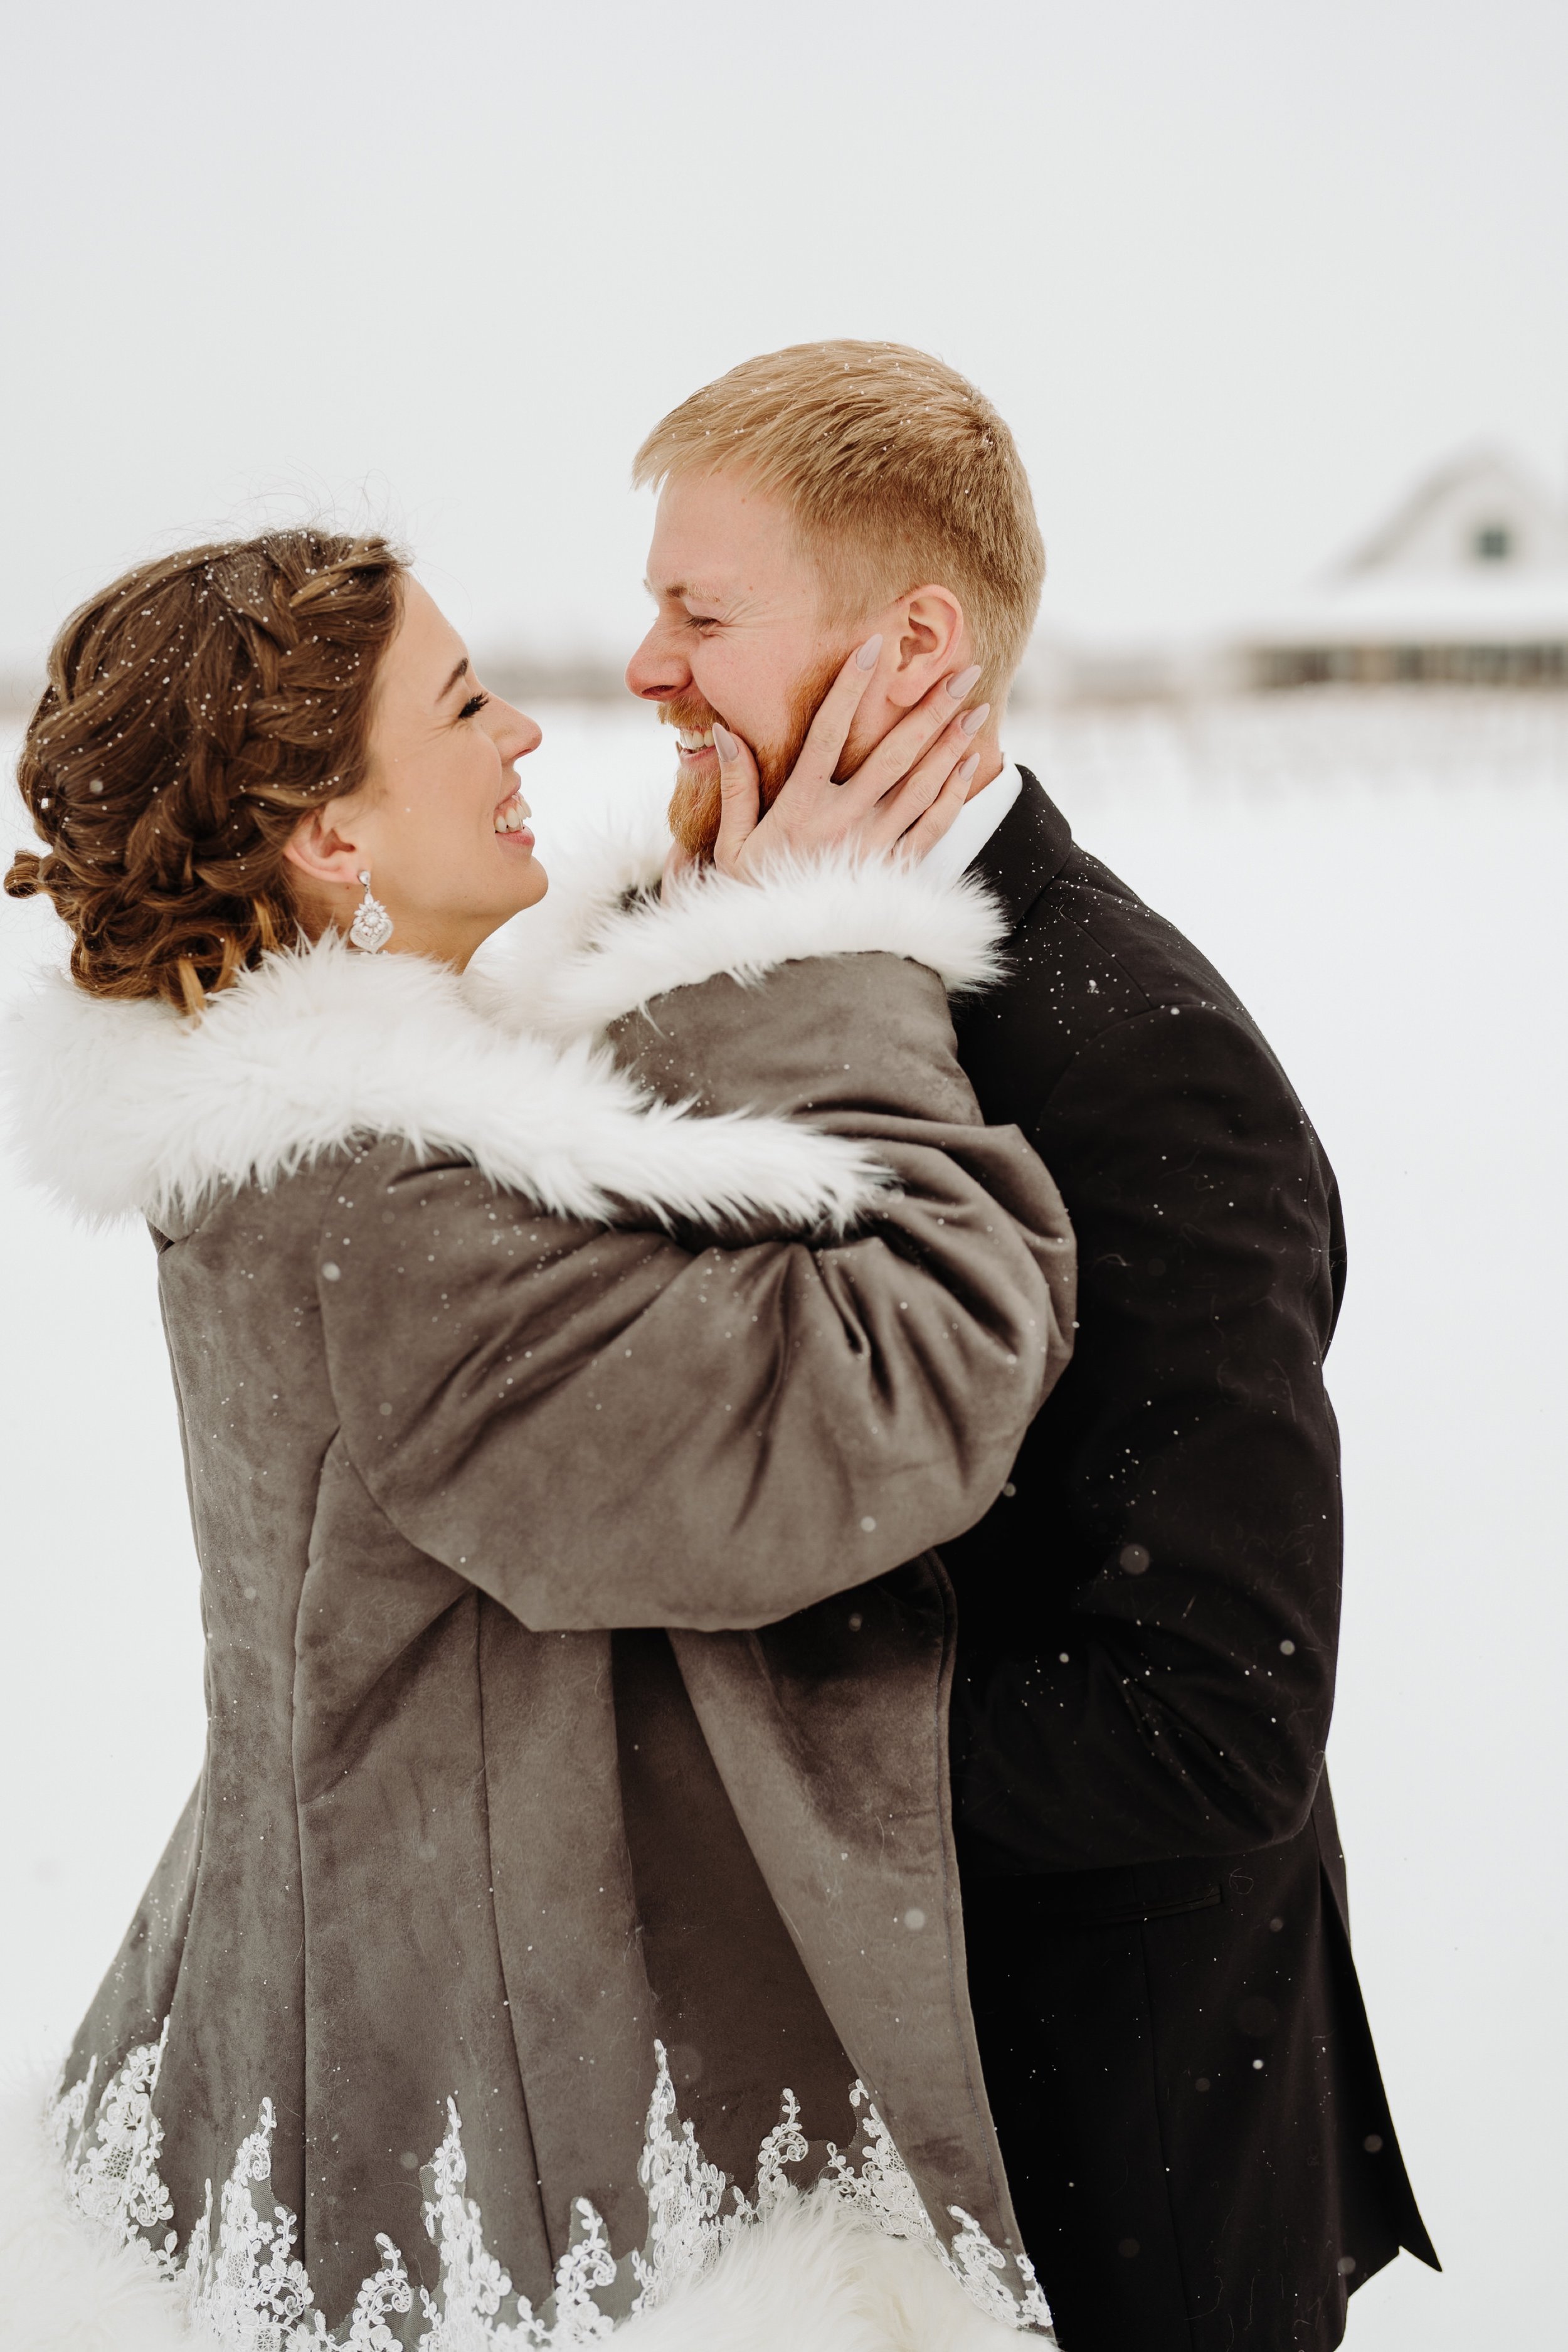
(1099, 1898)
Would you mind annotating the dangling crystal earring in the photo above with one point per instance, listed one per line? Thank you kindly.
(372, 925)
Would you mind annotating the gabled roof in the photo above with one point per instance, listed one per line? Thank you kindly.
(1482, 515)
(1476, 555)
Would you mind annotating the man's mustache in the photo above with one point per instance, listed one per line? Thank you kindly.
(687, 710)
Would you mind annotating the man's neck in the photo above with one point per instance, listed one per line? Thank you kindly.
(990, 764)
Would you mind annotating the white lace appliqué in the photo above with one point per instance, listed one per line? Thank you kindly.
(244, 2287)
(113, 2170)
(874, 2178)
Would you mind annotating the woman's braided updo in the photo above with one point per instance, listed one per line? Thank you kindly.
(195, 710)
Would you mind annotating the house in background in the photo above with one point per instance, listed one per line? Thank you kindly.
(1464, 584)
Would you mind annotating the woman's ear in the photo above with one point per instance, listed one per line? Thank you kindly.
(929, 638)
(325, 847)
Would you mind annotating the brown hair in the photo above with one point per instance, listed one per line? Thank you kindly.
(194, 709)
(898, 472)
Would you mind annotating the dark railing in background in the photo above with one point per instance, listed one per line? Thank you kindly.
(1282, 666)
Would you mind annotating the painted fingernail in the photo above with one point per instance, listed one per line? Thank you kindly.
(966, 774)
(965, 683)
(867, 656)
(727, 746)
(973, 720)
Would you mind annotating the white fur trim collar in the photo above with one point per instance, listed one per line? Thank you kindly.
(125, 1108)
(610, 947)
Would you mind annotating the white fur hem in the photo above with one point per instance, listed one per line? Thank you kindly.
(606, 952)
(811, 2277)
(125, 1108)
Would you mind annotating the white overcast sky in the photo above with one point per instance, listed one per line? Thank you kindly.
(1235, 271)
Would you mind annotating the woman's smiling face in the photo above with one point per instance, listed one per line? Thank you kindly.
(439, 822)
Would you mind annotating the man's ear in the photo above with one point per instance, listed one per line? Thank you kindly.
(324, 847)
(929, 638)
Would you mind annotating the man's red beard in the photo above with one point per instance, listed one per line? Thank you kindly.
(697, 803)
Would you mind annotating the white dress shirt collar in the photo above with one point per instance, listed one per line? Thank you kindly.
(973, 826)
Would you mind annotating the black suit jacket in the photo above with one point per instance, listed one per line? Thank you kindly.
(1195, 2130)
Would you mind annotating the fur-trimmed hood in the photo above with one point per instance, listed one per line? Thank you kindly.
(602, 944)
(126, 1107)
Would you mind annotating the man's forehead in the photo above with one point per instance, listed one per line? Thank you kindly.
(717, 535)
(701, 557)
(697, 555)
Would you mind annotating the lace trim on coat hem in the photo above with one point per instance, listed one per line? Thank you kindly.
(240, 2282)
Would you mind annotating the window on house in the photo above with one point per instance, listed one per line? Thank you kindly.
(1493, 543)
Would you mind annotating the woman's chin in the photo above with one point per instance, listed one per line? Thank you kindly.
(521, 879)
(532, 885)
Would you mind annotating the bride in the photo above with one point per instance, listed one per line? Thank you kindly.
(572, 1377)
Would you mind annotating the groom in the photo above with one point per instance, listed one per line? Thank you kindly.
(1177, 2058)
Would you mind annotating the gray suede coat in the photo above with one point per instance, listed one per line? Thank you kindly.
(564, 1468)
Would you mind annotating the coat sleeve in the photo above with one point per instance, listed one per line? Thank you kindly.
(606, 1427)
(1155, 1672)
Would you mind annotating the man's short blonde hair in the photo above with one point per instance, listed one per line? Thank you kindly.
(898, 473)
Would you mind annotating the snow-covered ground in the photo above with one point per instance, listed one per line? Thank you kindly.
(1384, 882)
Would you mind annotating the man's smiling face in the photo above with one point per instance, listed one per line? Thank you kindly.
(739, 636)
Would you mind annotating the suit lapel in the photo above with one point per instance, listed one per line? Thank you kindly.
(1027, 850)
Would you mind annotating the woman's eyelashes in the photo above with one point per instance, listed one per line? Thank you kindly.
(474, 705)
